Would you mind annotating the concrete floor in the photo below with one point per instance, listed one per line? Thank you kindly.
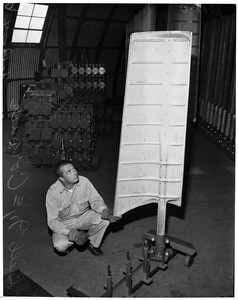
(206, 220)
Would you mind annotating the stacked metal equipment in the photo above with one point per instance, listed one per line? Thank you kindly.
(217, 103)
(85, 84)
(61, 115)
(81, 91)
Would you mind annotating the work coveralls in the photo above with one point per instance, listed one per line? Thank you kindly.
(79, 208)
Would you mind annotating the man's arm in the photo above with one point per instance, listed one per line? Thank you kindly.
(95, 199)
(53, 214)
(99, 205)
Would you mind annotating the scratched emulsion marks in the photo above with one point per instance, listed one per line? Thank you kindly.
(151, 157)
(15, 225)
(22, 286)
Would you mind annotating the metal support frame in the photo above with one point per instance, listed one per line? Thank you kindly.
(157, 251)
(171, 246)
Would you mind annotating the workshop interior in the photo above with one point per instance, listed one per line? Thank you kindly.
(140, 99)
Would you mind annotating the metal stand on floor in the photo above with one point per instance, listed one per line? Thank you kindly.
(157, 251)
(171, 245)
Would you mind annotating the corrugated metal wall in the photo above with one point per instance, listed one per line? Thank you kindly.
(50, 56)
(217, 72)
(22, 64)
(115, 35)
(74, 10)
(97, 30)
(71, 26)
(53, 34)
(124, 13)
(13, 92)
(90, 28)
(103, 11)
(218, 61)
(217, 80)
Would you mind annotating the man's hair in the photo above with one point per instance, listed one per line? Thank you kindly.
(58, 165)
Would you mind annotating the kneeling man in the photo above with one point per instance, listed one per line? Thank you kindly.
(76, 213)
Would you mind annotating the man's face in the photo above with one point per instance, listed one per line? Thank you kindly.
(69, 174)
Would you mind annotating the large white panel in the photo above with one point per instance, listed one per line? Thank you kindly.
(151, 156)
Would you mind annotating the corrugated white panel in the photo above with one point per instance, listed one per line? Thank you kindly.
(151, 157)
(23, 62)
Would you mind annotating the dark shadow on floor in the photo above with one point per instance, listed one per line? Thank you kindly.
(18, 284)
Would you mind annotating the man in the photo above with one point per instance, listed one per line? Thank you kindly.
(74, 206)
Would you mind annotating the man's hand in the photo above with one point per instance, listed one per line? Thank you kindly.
(78, 236)
(107, 214)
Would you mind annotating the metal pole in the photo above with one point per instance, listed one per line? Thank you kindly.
(145, 255)
(128, 269)
(109, 282)
(160, 233)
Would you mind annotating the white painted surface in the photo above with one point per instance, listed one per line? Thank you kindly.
(151, 156)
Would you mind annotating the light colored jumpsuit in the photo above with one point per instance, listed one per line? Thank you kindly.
(79, 208)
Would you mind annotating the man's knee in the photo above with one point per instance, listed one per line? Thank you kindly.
(97, 220)
(105, 223)
(62, 245)
(99, 223)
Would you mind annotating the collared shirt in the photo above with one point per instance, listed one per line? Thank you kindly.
(62, 204)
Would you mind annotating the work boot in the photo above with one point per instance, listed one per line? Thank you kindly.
(95, 251)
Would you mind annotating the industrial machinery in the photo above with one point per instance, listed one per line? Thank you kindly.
(61, 117)
(152, 147)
